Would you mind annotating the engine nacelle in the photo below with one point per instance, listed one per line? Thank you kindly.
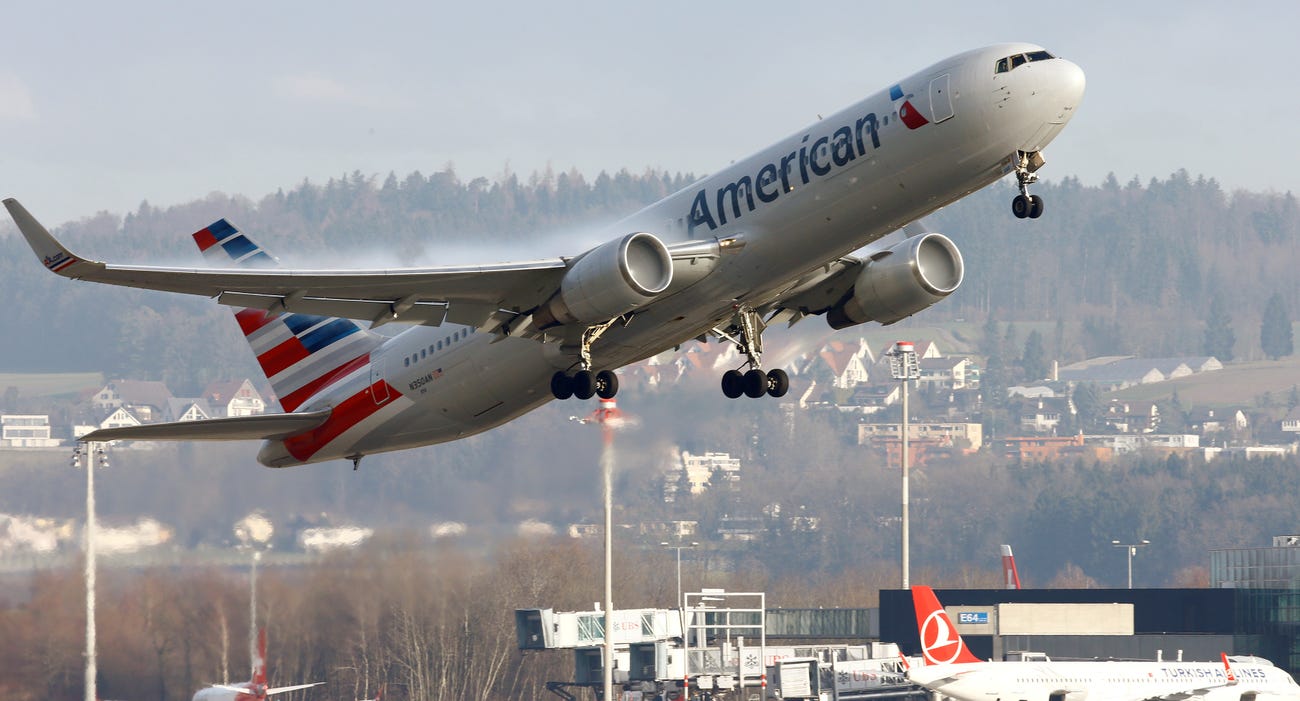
(608, 281)
(909, 277)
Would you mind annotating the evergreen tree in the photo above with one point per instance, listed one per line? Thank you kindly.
(1089, 406)
(1275, 329)
(1034, 360)
(1219, 336)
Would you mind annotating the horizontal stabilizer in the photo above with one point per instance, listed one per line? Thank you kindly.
(235, 428)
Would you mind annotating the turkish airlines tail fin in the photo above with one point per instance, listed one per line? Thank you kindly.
(940, 642)
(299, 353)
(1010, 577)
(259, 659)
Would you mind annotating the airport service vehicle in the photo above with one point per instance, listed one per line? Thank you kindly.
(953, 671)
(768, 239)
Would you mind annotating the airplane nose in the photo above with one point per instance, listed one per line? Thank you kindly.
(1070, 83)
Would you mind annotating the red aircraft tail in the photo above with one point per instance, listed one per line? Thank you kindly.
(940, 642)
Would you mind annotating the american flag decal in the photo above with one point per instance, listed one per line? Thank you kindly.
(60, 261)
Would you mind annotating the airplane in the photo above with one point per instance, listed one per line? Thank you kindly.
(953, 671)
(766, 240)
(253, 690)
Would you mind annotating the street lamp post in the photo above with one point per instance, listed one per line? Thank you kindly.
(1131, 549)
(90, 452)
(903, 367)
(678, 548)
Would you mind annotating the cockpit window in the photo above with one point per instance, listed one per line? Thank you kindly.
(1012, 62)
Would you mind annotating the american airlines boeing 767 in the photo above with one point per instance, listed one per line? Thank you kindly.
(771, 238)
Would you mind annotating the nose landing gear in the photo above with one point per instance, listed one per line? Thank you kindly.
(1027, 205)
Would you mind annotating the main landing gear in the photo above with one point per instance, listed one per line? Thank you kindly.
(746, 331)
(584, 384)
(1025, 204)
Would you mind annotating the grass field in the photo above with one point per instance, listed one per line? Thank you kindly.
(1237, 384)
(50, 384)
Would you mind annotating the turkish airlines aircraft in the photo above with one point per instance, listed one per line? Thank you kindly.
(764, 240)
(951, 670)
(253, 690)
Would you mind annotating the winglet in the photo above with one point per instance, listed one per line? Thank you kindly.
(52, 253)
(1232, 678)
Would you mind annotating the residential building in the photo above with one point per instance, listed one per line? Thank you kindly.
(1291, 422)
(26, 431)
(145, 399)
(1043, 415)
(234, 398)
(700, 472)
(1044, 448)
(944, 373)
(845, 362)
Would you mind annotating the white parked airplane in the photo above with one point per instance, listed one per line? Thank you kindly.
(255, 689)
(951, 670)
(766, 239)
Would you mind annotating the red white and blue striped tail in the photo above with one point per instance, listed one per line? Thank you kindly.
(300, 354)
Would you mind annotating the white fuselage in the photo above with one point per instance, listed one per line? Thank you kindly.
(823, 192)
(1103, 681)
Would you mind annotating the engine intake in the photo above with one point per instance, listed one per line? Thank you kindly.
(909, 277)
(610, 280)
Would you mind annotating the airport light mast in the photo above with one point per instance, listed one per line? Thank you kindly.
(681, 607)
(1131, 548)
(90, 451)
(904, 367)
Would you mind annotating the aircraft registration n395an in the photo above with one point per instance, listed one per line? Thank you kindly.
(770, 238)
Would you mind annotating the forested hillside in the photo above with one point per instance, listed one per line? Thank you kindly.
(1125, 268)
(1112, 268)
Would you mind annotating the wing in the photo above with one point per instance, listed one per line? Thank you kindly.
(283, 689)
(482, 295)
(234, 428)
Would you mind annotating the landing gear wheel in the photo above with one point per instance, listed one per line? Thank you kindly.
(778, 383)
(606, 384)
(1020, 206)
(561, 386)
(584, 384)
(733, 384)
(1035, 206)
(755, 383)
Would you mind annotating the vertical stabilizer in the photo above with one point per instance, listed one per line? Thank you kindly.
(259, 661)
(299, 353)
(940, 642)
(1010, 577)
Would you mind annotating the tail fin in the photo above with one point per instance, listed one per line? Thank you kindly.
(1010, 577)
(259, 662)
(940, 642)
(299, 353)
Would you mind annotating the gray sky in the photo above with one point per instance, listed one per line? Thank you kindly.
(104, 105)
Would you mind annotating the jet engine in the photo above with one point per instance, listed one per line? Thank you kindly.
(900, 282)
(612, 279)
